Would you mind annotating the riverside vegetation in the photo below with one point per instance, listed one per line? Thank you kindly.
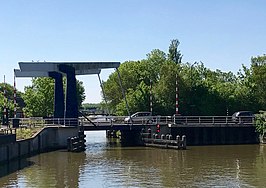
(202, 91)
(25, 133)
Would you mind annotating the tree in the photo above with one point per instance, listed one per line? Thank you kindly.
(258, 69)
(9, 101)
(174, 54)
(261, 123)
(39, 97)
(165, 90)
(201, 91)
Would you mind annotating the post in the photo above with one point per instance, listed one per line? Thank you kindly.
(149, 131)
(151, 104)
(178, 141)
(104, 96)
(124, 95)
(176, 98)
(15, 97)
(5, 121)
(184, 141)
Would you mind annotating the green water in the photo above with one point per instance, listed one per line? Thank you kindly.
(106, 164)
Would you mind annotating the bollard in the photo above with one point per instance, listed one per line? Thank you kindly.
(68, 144)
(73, 143)
(76, 143)
(178, 141)
(184, 141)
(153, 135)
(170, 137)
(156, 136)
(107, 134)
(149, 131)
(80, 133)
(162, 136)
(167, 137)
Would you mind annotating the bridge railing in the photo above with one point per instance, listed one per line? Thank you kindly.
(114, 120)
(212, 120)
(173, 120)
(41, 122)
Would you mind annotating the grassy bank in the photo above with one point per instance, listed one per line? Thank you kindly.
(24, 133)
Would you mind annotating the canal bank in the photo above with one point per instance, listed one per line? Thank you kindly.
(48, 139)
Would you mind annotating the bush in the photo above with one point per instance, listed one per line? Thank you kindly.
(261, 122)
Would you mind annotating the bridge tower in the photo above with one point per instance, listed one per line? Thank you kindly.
(63, 108)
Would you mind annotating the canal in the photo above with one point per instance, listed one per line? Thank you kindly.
(106, 164)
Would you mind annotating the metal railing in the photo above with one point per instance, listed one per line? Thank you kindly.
(174, 120)
(122, 120)
(40, 122)
(212, 120)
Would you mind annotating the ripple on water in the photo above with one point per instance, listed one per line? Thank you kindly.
(106, 164)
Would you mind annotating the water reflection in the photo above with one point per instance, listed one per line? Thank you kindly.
(14, 166)
(106, 164)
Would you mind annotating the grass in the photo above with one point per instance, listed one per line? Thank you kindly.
(24, 133)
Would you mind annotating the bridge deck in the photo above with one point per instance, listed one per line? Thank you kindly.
(118, 123)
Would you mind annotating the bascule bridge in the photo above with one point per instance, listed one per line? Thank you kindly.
(65, 105)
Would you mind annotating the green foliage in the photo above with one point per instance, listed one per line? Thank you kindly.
(137, 99)
(174, 54)
(39, 97)
(164, 89)
(201, 91)
(80, 93)
(90, 105)
(258, 87)
(261, 122)
(25, 133)
(10, 98)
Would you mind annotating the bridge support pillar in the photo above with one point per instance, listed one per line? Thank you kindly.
(58, 95)
(71, 110)
(131, 138)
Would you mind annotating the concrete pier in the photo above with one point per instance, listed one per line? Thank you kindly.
(217, 135)
(209, 135)
(131, 138)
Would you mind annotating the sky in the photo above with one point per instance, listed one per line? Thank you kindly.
(221, 34)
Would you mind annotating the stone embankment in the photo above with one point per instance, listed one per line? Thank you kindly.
(48, 139)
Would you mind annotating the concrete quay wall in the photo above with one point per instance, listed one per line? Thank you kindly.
(48, 139)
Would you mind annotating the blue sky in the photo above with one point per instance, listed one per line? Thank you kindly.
(222, 34)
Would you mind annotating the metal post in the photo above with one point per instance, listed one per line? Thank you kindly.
(151, 104)
(104, 96)
(5, 121)
(15, 97)
(176, 98)
(123, 93)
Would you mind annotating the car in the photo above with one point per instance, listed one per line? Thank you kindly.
(243, 117)
(139, 117)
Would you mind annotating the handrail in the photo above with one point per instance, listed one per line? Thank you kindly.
(145, 120)
(87, 118)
